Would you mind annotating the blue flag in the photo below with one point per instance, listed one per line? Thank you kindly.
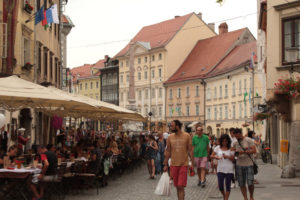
(39, 15)
(49, 16)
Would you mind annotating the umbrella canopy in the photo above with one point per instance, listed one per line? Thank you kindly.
(17, 93)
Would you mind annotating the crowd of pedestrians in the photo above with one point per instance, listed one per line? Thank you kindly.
(232, 157)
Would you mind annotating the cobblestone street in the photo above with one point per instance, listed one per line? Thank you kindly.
(137, 186)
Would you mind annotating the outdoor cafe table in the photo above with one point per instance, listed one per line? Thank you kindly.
(18, 177)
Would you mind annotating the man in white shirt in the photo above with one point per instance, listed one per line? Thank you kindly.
(233, 140)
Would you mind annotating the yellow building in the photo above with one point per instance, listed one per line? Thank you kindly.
(280, 24)
(188, 90)
(152, 56)
(33, 53)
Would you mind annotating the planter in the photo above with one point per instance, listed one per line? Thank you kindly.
(282, 103)
(27, 67)
(28, 8)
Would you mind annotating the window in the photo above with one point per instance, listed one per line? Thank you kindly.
(152, 73)
(187, 110)
(240, 110)
(208, 94)
(208, 113)
(179, 110)
(127, 78)
(188, 91)
(145, 75)
(197, 109)
(245, 85)
(153, 111)
(215, 112)
(97, 84)
(139, 76)
(139, 60)
(221, 91)
(140, 95)
(86, 86)
(97, 97)
(240, 87)
(160, 56)
(226, 111)
(121, 78)
(233, 89)
(160, 93)
(233, 111)
(221, 112)
(153, 57)
(153, 93)
(145, 59)
(291, 35)
(226, 91)
(127, 63)
(51, 65)
(91, 85)
(170, 93)
(245, 110)
(26, 51)
(197, 90)
(45, 61)
(215, 92)
(146, 111)
(159, 72)
(159, 111)
(178, 92)
(80, 86)
(121, 64)
(146, 94)
(170, 111)
(128, 95)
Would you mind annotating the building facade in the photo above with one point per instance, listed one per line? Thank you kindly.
(150, 59)
(187, 89)
(282, 31)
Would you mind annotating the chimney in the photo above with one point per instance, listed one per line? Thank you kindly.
(176, 16)
(211, 26)
(106, 57)
(223, 28)
(200, 15)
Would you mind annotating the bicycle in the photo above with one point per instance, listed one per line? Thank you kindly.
(266, 155)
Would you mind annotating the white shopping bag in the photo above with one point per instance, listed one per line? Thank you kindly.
(163, 186)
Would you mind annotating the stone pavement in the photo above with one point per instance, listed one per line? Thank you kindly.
(137, 186)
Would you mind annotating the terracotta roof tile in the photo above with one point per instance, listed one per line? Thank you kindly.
(81, 71)
(238, 56)
(158, 34)
(204, 56)
(99, 64)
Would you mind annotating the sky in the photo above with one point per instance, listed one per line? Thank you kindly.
(104, 27)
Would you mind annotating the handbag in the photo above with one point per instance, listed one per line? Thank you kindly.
(163, 186)
(255, 167)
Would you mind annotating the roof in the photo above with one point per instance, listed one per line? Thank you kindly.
(81, 71)
(159, 34)
(236, 58)
(204, 56)
(99, 64)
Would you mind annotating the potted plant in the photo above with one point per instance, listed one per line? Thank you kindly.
(27, 7)
(260, 116)
(245, 124)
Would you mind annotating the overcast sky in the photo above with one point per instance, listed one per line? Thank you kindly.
(104, 27)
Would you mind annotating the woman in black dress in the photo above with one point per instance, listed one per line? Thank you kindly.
(151, 151)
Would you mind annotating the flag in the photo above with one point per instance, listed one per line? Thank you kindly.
(245, 96)
(49, 16)
(54, 12)
(44, 21)
(39, 15)
(250, 92)
(252, 60)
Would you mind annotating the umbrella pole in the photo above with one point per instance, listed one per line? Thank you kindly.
(10, 129)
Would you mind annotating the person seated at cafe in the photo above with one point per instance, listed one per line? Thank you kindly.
(113, 146)
(11, 153)
(95, 158)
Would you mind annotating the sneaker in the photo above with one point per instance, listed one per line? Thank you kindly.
(203, 184)
(232, 185)
(199, 183)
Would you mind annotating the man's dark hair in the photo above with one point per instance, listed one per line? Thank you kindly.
(177, 123)
(225, 137)
(49, 146)
(231, 129)
(250, 134)
(237, 131)
(13, 147)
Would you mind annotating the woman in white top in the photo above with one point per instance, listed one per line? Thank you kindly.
(225, 158)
